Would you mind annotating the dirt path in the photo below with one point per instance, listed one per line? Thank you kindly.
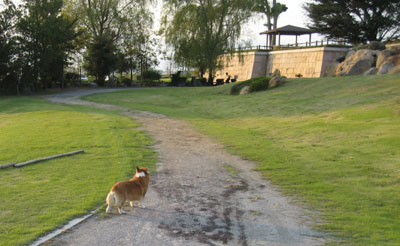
(200, 195)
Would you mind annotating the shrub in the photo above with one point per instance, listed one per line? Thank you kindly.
(235, 90)
(99, 82)
(256, 84)
(259, 84)
(127, 82)
(374, 45)
(177, 80)
(151, 75)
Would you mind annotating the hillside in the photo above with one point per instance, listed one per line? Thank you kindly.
(332, 143)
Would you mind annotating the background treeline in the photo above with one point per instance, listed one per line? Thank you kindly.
(39, 39)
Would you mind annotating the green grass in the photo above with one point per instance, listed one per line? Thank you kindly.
(40, 197)
(332, 143)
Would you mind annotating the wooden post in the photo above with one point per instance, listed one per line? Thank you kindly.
(296, 40)
(279, 43)
(310, 39)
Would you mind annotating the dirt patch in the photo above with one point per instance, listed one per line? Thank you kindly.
(194, 200)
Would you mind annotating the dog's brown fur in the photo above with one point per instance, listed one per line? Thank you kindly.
(131, 190)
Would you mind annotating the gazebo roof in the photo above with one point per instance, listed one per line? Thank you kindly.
(289, 30)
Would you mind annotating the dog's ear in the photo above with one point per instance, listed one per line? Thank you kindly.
(137, 169)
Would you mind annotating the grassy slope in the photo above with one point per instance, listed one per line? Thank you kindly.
(39, 197)
(332, 142)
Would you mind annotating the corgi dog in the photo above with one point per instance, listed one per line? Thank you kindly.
(131, 190)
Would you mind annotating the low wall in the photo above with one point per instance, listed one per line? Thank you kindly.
(309, 63)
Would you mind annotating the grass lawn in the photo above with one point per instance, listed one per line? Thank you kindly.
(40, 197)
(332, 143)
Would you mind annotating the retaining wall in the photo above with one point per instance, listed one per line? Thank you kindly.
(307, 62)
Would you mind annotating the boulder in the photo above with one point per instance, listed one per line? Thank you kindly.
(244, 90)
(395, 49)
(277, 72)
(385, 68)
(371, 71)
(357, 63)
(382, 56)
(394, 70)
(394, 59)
(275, 82)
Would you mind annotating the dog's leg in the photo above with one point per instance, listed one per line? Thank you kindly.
(108, 209)
(121, 211)
(110, 201)
(140, 203)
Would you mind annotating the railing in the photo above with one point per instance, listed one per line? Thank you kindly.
(298, 45)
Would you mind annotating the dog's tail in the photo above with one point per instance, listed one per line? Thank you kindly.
(110, 201)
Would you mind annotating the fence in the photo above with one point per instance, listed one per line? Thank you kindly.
(317, 43)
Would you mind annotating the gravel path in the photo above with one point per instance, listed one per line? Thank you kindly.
(200, 195)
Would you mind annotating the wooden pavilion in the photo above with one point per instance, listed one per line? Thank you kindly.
(286, 30)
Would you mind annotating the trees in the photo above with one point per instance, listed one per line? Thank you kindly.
(46, 38)
(122, 25)
(271, 12)
(8, 48)
(201, 30)
(357, 21)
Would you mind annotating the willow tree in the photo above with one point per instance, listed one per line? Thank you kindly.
(201, 30)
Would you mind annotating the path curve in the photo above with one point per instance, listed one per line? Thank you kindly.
(194, 199)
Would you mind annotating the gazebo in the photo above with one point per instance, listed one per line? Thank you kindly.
(286, 30)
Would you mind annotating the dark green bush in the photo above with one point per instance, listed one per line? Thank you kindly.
(235, 90)
(259, 84)
(255, 84)
(127, 82)
(151, 75)
(99, 82)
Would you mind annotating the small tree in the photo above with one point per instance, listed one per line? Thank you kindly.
(101, 58)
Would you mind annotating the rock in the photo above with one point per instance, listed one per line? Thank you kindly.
(277, 72)
(358, 63)
(244, 90)
(394, 70)
(385, 68)
(394, 59)
(382, 56)
(395, 49)
(275, 82)
(371, 71)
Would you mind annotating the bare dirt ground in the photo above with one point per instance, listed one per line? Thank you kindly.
(200, 195)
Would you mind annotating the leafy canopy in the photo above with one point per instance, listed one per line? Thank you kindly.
(357, 21)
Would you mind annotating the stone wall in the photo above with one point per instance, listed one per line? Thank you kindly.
(309, 62)
(244, 65)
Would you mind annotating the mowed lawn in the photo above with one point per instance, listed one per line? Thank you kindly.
(37, 198)
(331, 143)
